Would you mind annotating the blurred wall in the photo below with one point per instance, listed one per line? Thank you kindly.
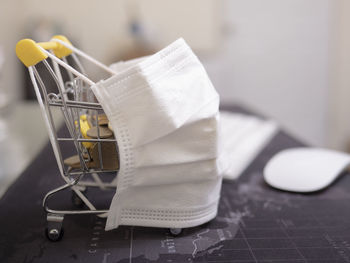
(275, 59)
(339, 125)
(10, 22)
(286, 59)
(100, 28)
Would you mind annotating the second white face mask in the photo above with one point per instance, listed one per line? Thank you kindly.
(164, 111)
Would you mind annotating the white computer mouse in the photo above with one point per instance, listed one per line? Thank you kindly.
(305, 169)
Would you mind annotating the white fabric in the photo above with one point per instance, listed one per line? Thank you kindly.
(164, 111)
(243, 137)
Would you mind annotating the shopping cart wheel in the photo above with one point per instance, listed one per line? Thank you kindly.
(54, 230)
(76, 200)
(53, 234)
(175, 231)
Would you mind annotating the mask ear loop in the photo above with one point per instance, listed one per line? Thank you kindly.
(84, 55)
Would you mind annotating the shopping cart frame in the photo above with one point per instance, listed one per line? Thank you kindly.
(66, 98)
(32, 53)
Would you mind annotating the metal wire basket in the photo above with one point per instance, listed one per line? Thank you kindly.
(96, 153)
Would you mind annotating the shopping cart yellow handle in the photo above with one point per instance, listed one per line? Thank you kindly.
(30, 53)
(61, 51)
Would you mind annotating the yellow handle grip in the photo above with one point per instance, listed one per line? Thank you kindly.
(30, 53)
(61, 51)
(48, 45)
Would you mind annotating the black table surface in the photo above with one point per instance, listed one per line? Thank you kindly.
(255, 223)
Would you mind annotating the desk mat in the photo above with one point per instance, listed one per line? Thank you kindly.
(255, 223)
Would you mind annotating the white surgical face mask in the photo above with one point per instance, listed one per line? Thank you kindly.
(164, 112)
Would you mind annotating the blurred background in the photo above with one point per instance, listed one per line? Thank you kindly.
(288, 60)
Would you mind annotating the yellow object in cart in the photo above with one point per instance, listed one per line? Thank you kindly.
(84, 127)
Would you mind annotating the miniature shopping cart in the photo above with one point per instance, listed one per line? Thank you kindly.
(96, 152)
(150, 192)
